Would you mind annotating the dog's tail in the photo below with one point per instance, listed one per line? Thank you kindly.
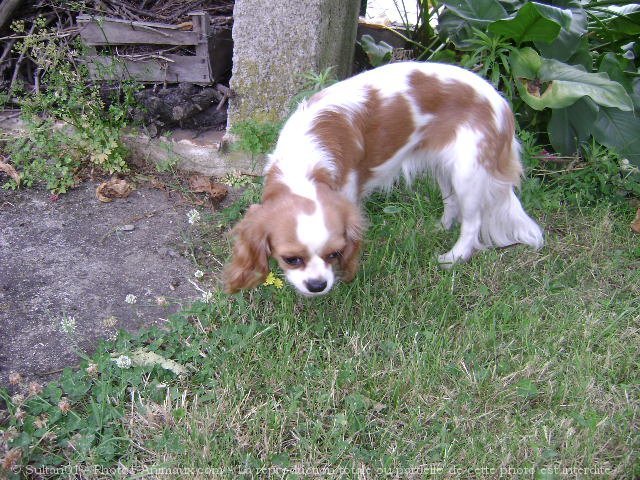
(504, 221)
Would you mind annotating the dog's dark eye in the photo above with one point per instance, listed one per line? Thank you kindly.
(334, 255)
(293, 261)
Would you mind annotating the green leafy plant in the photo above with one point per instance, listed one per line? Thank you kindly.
(378, 53)
(574, 65)
(237, 180)
(312, 83)
(595, 176)
(489, 57)
(255, 138)
(69, 125)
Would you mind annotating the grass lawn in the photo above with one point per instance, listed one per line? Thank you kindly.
(519, 364)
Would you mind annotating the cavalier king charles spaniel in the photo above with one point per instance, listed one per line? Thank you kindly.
(361, 135)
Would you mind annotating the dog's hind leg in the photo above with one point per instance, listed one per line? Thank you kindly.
(468, 196)
(451, 212)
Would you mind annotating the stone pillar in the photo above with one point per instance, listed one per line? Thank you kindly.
(275, 41)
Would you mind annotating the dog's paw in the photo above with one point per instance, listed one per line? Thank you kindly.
(452, 257)
(447, 260)
(439, 227)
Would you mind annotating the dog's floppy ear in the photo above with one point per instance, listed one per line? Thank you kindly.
(350, 257)
(249, 265)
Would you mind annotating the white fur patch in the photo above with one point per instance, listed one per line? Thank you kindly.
(311, 230)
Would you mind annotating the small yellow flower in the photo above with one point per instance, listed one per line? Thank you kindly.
(273, 280)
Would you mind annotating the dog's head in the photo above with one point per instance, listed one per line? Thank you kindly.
(315, 241)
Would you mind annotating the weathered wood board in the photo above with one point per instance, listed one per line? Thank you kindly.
(175, 69)
(113, 31)
(158, 67)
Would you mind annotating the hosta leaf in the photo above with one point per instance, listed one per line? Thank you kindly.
(598, 86)
(581, 57)
(479, 12)
(635, 92)
(570, 38)
(620, 130)
(534, 22)
(624, 20)
(378, 53)
(525, 63)
(616, 68)
(571, 126)
(558, 85)
(455, 29)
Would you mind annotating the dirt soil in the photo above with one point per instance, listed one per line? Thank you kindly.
(74, 256)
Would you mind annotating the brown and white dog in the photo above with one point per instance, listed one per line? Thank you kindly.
(362, 134)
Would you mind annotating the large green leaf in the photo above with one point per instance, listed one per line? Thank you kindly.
(577, 82)
(534, 22)
(457, 19)
(571, 126)
(378, 53)
(624, 19)
(581, 57)
(453, 28)
(525, 63)
(620, 130)
(479, 12)
(570, 38)
(558, 85)
(635, 95)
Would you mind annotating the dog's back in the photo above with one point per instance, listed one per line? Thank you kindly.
(402, 119)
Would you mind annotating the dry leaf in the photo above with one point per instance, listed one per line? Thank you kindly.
(9, 170)
(635, 225)
(114, 188)
(158, 184)
(195, 202)
(202, 184)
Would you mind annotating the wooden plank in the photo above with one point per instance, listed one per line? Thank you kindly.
(180, 68)
(114, 31)
(202, 26)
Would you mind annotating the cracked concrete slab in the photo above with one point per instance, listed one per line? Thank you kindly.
(70, 258)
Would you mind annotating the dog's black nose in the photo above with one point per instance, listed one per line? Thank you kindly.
(316, 285)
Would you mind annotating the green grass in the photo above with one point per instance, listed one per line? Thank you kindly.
(518, 363)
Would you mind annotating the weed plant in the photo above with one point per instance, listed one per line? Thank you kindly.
(69, 125)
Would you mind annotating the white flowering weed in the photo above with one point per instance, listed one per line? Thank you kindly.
(193, 216)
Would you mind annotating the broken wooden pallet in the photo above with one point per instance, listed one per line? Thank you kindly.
(159, 64)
